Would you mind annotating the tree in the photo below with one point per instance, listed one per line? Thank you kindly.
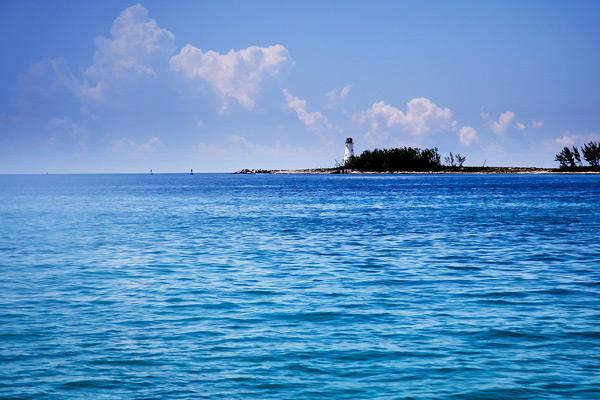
(591, 153)
(450, 160)
(460, 160)
(576, 155)
(397, 159)
(566, 158)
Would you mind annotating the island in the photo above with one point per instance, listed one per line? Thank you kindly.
(412, 160)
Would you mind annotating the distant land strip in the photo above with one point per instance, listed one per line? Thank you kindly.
(414, 160)
(441, 170)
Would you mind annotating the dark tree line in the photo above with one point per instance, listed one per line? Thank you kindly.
(570, 157)
(397, 159)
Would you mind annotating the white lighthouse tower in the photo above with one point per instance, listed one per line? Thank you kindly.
(348, 150)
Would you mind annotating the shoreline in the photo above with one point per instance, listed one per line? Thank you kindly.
(463, 170)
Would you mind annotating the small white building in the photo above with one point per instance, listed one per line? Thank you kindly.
(348, 150)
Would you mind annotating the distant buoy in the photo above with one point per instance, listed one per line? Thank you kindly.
(151, 173)
(191, 172)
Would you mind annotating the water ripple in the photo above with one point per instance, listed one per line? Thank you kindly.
(271, 287)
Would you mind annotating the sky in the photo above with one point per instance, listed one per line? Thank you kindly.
(121, 86)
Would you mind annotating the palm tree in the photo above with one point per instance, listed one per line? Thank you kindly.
(566, 158)
(576, 156)
(591, 153)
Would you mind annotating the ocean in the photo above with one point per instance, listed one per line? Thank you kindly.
(224, 286)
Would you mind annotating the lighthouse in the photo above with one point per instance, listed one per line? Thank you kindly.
(348, 150)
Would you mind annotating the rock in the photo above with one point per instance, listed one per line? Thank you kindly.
(254, 171)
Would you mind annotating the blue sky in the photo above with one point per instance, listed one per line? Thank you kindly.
(119, 86)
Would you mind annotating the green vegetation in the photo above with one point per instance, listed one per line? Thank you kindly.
(570, 158)
(455, 160)
(591, 153)
(397, 159)
(407, 159)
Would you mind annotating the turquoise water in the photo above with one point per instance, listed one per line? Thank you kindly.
(291, 287)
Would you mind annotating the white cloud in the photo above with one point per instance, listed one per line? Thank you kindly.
(421, 116)
(126, 145)
(537, 124)
(467, 135)
(235, 75)
(152, 144)
(239, 140)
(315, 121)
(520, 126)
(335, 97)
(570, 139)
(483, 114)
(505, 121)
(345, 91)
(136, 45)
(565, 140)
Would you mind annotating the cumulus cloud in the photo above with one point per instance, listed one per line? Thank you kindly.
(505, 121)
(537, 124)
(421, 116)
(235, 75)
(467, 135)
(136, 45)
(520, 126)
(315, 121)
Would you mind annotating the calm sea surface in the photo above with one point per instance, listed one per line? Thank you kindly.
(291, 287)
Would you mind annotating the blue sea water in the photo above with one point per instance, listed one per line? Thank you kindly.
(299, 287)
